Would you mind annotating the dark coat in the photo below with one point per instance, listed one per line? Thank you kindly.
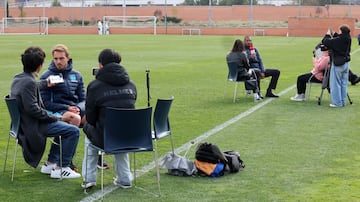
(242, 61)
(70, 93)
(112, 88)
(339, 45)
(34, 118)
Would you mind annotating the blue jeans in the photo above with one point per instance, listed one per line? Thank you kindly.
(89, 171)
(338, 83)
(69, 139)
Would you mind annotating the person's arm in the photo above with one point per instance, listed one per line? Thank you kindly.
(259, 61)
(321, 64)
(31, 103)
(91, 111)
(245, 61)
(80, 92)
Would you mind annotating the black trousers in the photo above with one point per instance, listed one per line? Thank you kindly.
(274, 73)
(303, 79)
(352, 76)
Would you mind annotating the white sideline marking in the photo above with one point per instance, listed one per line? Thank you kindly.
(185, 147)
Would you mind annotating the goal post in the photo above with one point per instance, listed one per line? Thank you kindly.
(130, 22)
(25, 25)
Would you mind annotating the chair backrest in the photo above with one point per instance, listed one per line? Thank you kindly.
(161, 118)
(127, 130)
(14, 115)
(233, 71)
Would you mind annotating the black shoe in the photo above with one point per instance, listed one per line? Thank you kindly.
(355, 81)
(105, 165)
(270, 94)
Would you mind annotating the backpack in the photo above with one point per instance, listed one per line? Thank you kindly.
(210, 153)
(235, 164)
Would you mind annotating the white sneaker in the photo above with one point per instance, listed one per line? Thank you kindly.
(121, 184)
(87, 185)
(298, 97)
(248, 92)
(66, 173)
(334, 106)
(257, 97)
(46, 169)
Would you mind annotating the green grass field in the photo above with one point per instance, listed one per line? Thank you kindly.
(293, 151)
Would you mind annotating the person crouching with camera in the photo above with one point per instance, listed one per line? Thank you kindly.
(339, 46)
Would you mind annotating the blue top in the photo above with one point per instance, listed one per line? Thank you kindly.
(255, 62)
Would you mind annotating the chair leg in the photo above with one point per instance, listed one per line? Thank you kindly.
(134, 165)
(172, 144)
(61, 155)
(308, 91)
(157, 167)
(102, 176)
(7, 149)
(235, 91)
(86, 164)
(15, 153)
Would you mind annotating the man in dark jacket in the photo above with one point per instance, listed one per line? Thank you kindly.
(257, 64)
(111, 88)
(68, 95)
(36, 124)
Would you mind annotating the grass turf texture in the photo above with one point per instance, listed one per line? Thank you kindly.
(292, 151)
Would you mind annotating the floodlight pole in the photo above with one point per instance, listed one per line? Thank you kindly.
(43, 9)
(5, 10)
(165, 17)
(210, 13)
(82, 13)
(124, 8)
(251, 12)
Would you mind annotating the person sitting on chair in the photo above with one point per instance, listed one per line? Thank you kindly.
(67, 96)
(353, 78)
(257, 64)
(111, 88)
(320, 64)
(37, 124)
(238, 56)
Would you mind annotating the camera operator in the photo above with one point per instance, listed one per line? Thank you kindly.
(339, 46)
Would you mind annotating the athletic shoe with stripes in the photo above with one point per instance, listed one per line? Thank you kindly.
(64, 173)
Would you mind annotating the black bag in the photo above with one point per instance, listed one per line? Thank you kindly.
(235, 164)
(250, 84)
(210, 153)
(340, 60)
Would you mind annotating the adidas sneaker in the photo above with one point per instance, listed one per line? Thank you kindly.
(64, 173)
(47, 168)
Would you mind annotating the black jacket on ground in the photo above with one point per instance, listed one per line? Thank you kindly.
(112, 88)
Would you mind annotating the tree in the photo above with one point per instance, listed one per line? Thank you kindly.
(316, 2)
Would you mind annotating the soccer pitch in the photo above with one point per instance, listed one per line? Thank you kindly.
(293, 151)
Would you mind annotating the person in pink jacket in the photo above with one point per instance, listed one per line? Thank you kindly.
(316, 75)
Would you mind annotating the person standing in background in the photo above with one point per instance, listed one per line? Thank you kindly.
(100, 27)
